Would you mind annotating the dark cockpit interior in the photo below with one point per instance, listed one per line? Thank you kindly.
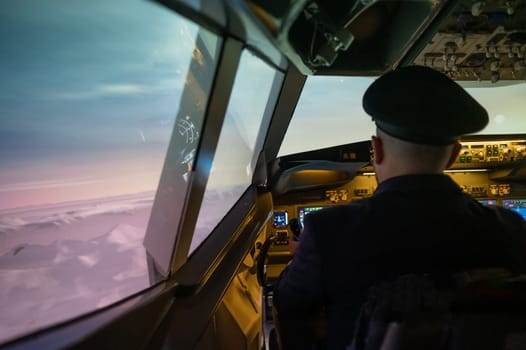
(470, 40)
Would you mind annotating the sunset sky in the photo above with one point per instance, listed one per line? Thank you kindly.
(89, 94)
(87, 98)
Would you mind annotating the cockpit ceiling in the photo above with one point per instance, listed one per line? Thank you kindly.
(481, 40)
(467, 39)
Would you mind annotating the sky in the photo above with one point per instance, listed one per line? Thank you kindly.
(506, 106)
(88, 97)
(330, 113)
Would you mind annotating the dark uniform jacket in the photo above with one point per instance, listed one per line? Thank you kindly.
(414, 223)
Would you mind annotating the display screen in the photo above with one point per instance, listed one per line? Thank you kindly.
(281, 219)
(490, 202)
(302, 211)
(518, 205)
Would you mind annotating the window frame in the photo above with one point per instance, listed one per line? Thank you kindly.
(164, 231)
(214, 117)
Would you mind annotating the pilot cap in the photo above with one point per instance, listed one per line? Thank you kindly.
(421, 105)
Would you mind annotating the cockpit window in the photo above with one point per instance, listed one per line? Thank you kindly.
(89, 96)
(247, 117)
(506, 105)
(329, 112)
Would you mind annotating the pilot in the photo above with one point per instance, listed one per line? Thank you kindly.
(418, 220)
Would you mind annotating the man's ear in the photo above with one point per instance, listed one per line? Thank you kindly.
(378, 150)
(454, 154)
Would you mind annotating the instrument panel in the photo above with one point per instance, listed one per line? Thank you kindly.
(487, 170)
(492, 152)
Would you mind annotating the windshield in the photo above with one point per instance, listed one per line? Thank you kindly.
(329, 112)
(89, 96)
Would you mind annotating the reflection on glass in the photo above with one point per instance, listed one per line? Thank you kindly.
(160, 237)
(88, 95)
(329, 113)
(240, 142)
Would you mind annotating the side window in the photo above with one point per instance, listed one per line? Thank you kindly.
(247, 117)
(89, 97)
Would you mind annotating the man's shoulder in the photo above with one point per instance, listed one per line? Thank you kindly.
(338, 216)
(343, 210)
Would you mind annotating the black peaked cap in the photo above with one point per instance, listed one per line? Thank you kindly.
(421, 105)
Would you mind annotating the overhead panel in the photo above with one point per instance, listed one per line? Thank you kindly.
(481, 40)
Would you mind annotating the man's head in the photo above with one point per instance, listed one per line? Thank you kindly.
(419, 113)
